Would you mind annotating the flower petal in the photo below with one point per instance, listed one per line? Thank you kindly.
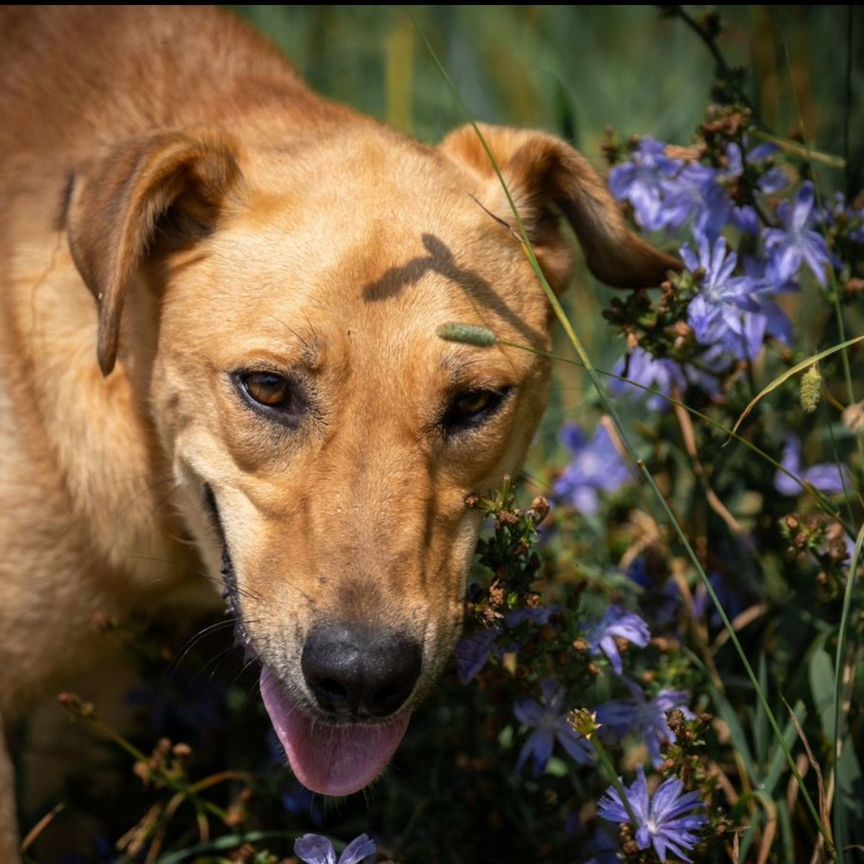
(314, 849)
(357, 850)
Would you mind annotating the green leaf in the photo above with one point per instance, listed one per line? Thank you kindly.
(761, 729)
(821, 673)
(736, 731)
(777, 764)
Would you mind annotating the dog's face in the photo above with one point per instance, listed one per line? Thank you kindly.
(324, 435)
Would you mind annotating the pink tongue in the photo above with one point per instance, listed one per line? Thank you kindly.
(331, 760)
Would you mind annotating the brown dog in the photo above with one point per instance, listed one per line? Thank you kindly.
(219, 310)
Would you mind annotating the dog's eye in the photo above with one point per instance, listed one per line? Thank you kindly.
(470, 408)
(276, 395)
(267, 389)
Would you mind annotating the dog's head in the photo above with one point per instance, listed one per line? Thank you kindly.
(287, 308)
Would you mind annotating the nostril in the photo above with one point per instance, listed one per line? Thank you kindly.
(396, 679)
(333, 669)
(330, 690)
(387, 699)
(359, 672)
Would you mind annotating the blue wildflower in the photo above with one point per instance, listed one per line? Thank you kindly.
(666, 820)
(602, 848)
(549, 719)
(617, 624)
(772, 180)
(722, 313)
(597, 466)
(640, 367)
(667, 377)
(828, 478)
(646, 717)
(694, 196)
(744, 216)
(840, 213)
(641, 182)
(474, 650)
(315, 849)
(797, 243)
(768, 278)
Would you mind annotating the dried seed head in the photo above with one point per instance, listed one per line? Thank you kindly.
(584, 722)
(468, 334)
(811, 389)
(539, 509)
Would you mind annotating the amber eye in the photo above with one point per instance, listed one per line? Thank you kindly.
(278, 397)
(471, 408)
(267, 389)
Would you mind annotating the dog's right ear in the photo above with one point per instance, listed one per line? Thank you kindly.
(547, 179)
(169, 187)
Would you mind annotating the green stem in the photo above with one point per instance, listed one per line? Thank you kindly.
(614, 779)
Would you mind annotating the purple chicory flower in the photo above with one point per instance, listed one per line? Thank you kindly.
(667, 377)
(597, 466)
(853, 216)
(722, 313)
(602, 848)
(771, 182)
(474, 650)
(643, 369)
(315, 849)
(694, 196)
(617, 624)
(549, 720)
(744, 217)
(647, 717)
(641, 182)
(666, 820)
(796, 243)
(828, 478)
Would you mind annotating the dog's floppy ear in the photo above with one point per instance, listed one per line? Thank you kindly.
(547, 177)
(168, 188)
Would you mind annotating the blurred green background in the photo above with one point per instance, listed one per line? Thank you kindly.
(575, 69)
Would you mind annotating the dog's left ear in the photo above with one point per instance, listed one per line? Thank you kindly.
(164, 191)
(546, 178)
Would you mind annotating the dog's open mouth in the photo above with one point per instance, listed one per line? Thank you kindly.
(329, 759)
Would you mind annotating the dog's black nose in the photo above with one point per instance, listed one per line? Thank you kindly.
(355, 671)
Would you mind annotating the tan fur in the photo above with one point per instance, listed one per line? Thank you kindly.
(301, 238)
